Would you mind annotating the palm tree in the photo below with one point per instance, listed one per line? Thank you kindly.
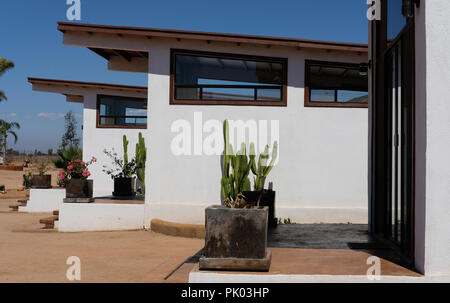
(4, 66)
(7, 128)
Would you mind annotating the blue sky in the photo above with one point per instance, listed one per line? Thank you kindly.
(31, 41)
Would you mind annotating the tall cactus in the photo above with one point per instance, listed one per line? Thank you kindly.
(141, 156)
(261, 170)
(237, 181)
(125, 150)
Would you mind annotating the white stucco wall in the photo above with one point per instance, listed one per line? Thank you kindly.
(432, 137)
(321, 175)
(95, 140)
(322, 171)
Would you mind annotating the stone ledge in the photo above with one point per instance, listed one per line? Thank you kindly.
(178, 229)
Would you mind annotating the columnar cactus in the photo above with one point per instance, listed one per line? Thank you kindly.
(141, 156)
(125, 150)
(237, 181)
(261, 170)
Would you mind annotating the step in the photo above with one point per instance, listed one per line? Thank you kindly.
(22, 202)
(49, 222)
(14, 207)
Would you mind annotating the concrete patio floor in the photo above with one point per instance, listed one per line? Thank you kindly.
(313, 250)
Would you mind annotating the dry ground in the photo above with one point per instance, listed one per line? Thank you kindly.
(14, 179)
(30, 254)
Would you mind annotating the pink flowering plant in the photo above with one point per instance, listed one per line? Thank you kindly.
(76, 169)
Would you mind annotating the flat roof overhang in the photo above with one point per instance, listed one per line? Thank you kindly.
(135, 57)
(210, 36)
(76, 90)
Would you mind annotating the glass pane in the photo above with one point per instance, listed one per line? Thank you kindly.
(219, 78)
(268, 94)
(322, 95)
(336, 82)
(395, 20)
(123, 111)
(349, 96)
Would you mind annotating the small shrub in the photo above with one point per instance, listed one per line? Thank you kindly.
(285, 221)
(28, 180)
(42, 168)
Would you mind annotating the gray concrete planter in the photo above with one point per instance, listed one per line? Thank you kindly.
(42, 181)
(236, 239)
(79, 191)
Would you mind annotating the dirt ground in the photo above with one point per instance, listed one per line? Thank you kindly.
(30, 254)
(14, 179)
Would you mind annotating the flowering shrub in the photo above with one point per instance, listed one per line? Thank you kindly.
(121, 168)
(77, 169)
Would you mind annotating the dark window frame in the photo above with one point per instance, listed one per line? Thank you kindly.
(98, 125)
(173, 101)
(309, 103)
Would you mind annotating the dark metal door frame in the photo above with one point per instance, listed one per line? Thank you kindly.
(382, 158)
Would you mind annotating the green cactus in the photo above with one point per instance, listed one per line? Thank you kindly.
(125, 151)
(141, 156)
(261, 170)
(237, 181)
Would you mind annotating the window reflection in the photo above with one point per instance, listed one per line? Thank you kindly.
(216, 77)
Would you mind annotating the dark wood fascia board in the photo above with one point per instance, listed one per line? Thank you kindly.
(211, 36)
(95, 85)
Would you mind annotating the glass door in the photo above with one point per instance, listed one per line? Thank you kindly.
(399, 92)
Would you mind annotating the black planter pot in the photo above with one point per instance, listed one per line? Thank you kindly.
(267, 199)
(235, 239)
(44, 181)
(79, 188)
(123, 187)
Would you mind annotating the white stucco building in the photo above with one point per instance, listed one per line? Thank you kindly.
(338, 162)
(99, 131)
(322, 138)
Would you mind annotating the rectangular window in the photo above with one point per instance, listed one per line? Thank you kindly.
(204, 78)
(121, 112)
(335, 84)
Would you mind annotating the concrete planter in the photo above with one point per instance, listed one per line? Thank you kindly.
(236, 239)
(267, 199)
(123, 187)
(79, 191)
(42, 182)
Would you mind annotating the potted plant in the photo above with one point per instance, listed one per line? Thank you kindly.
(259, 195)
(41, 180)
(236, 232)
(78, 187)
(123, 171)
(27, 180)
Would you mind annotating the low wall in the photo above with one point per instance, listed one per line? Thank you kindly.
(75, 217)
(195, 213)
(44, 200)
